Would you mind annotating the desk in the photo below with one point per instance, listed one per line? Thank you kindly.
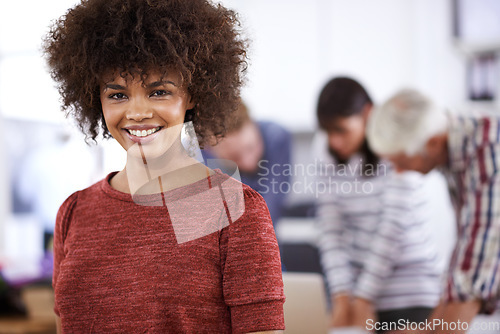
(41, 319)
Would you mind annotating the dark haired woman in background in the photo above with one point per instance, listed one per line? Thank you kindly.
(375, 241)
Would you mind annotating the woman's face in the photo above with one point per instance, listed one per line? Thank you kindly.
(346, 135)
(145, 114)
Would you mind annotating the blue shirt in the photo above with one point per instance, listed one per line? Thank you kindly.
(270, 174)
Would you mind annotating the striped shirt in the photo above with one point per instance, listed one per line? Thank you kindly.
(474, 179)
(375, 237)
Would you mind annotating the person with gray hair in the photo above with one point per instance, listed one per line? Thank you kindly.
(414, 134)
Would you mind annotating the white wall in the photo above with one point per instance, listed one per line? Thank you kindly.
(373, 41)
(285, 58)
(26, 89)
(387, 44)
(440, 69)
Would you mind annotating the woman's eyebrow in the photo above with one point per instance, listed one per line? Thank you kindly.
(160, 83)
(114, 86)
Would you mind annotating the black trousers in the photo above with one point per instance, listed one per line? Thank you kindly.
(413, 314)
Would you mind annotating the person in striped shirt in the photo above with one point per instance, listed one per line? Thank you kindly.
(375, 242)
(416, 135)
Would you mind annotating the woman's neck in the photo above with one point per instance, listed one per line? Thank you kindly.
(173, 169)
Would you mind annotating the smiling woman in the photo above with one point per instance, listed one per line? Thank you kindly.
(166, 244)
(85, 47)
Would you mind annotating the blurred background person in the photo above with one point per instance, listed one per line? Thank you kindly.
(261, 150)
(412, 132)
(374, 238)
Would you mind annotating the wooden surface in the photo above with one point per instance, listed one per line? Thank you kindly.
(41, 319)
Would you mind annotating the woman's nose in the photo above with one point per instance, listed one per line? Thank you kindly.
(139, 110)
(335, 142)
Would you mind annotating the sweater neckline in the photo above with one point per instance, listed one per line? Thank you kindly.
(174, 194)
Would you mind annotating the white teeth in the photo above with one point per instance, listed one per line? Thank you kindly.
(143, 133)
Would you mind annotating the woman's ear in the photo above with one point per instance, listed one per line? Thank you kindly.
(191, 104)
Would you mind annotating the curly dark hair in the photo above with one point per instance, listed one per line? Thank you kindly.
(200, 40)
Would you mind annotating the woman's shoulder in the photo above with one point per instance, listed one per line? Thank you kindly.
(255, 211)
(85, 194)
(242, 201)
(251, 194)
(68, 205)
(250, 221)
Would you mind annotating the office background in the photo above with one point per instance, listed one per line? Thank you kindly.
(447, 49)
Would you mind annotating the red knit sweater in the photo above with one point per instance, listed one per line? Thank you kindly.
(120, 268)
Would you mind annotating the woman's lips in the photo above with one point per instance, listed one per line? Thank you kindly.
(143, 139)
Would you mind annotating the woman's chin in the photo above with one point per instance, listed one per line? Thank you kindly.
(150, 152)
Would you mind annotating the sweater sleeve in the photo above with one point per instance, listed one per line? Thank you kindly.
(61, 230)
(251, 268)
(401, 197)
(332, 241)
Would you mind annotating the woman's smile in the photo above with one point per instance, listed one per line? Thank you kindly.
(142, 134)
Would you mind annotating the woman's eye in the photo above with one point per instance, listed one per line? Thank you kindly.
(117, 96)
(160, 93)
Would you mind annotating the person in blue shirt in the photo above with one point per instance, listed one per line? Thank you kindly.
(261, 151)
